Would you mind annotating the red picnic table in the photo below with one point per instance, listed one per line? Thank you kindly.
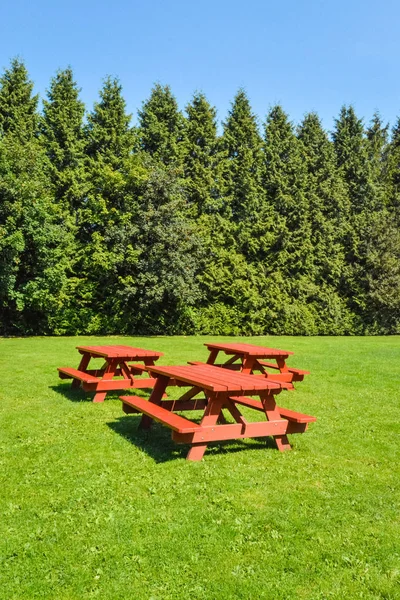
(223, 389)
(115, 373)
(248, 358)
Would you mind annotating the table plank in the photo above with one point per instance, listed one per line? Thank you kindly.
(118, 351)
(215, 379)
(248, 349)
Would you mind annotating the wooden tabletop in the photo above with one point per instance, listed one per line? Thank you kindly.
(126, 352)
(248, 350)
(215, 379)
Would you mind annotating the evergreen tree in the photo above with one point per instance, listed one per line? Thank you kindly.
(105, 222)
(169, 251)
(18, 108)
(284, 182)
(242, 146)
(291, 258)
(328, 215)
(62, 136)
(392, 174)
(109, 136)
(352, 157)
(109, 146)
(161, 126)
(377, 140)
(367, 208)
(202, 158)
(36, 244)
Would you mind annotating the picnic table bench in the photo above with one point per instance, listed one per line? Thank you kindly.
(117, 371)
(223, 389)
(248, 358)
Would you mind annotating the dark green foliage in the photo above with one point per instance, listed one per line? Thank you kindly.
(242, 147)
(109, 136)
(169, 228)
(165, 288)
(36, 243)
(352, 150)
(202, 159)
(284, 183)
(18, 108)
(161, 126)
(62, 137)
(392, 174)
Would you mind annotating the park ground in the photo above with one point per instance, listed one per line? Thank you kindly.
(93, 508)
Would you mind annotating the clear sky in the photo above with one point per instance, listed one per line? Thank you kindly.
(306, 54)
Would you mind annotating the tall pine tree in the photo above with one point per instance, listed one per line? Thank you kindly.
(36, 238)
(242, 146)
(63, 139)
(328, 215)
(201, 157)
(18, 107)
(292, 255)
(161, 126)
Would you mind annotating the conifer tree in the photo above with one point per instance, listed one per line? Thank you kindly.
(291, 258)
(18, 107)
(109, 135)
(392, 174)
(327, 200)
(165, 287)
(328, 215)
(63, 140)
(352, 158)
(284, 182)
(36, 244)
(201, 156)
(242, 146)
(366, 208)
(377, 140)
(161, 126)
(105, 225)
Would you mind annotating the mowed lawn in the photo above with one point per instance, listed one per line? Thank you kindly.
(93, 508)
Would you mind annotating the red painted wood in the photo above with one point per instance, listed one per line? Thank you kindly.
(156, 412)
(215, 379)
(291, 415)
(224, 388)
(178, 405)
(115, 365)
(70, 373)
(107, 385)
(249, 349)
(210, 418)
(125, 352)
(290, 369)
(233, 431)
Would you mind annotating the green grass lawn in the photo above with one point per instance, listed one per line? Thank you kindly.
(93, 508)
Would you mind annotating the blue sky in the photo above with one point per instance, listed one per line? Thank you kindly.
(306, 55)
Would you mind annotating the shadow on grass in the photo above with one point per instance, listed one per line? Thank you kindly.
(158, 444)
(79, 395)
(73, 394)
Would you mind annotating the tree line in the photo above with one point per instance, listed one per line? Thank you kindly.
(170, 227)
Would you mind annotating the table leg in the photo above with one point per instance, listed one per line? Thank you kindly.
(248, 364)
(272, 413)
(211, 414)
(155, 397)
(283, 368)
(83, 365)
(213, 355)
(109, 373)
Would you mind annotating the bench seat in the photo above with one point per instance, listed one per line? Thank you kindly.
(285, 413)
(160, 414)
(70, 373)
(271, 365)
